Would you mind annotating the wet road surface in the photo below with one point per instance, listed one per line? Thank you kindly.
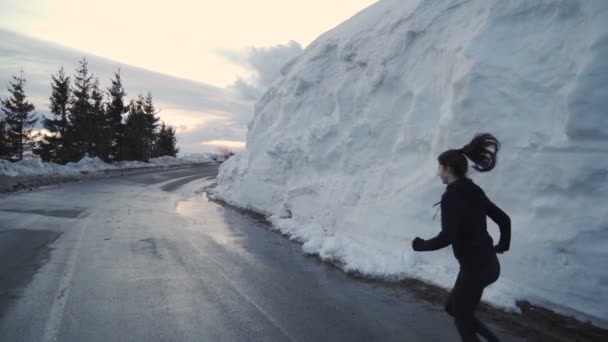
(147, 257)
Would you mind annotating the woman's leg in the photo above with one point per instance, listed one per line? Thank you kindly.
(464, 299)
(492, 275)
(480, 328)
(484, 331)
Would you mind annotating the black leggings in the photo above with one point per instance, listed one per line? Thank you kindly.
(465, 296)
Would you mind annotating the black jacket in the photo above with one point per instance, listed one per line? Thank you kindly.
(464, 207)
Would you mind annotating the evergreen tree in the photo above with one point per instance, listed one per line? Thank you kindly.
(101, 140)
(114, 111)
(135, 131)
(20, 119)
(151, 126)
(81, 117)
(4, 150)
(165, 142)
(53, 147)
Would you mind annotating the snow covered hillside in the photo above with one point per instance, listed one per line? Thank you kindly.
(342, 150)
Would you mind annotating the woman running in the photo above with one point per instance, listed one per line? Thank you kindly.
(464, 207)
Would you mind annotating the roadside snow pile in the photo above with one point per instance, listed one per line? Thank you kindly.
(35, 167)
(203, 157)
(88, 164)
(342, 150)
(35, 172)
(168, 161)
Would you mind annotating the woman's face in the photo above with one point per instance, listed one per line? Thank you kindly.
(444, 173)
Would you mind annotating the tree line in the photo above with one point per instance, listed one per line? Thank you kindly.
(85, 121)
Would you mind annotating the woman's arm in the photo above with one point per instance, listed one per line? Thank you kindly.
(450, 220)
(504, 224)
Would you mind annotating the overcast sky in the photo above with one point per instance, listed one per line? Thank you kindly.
(234, 47)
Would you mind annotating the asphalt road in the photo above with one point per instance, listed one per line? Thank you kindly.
(147, 257)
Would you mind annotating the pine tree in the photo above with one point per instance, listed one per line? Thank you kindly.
(20, 119)
(114, 111)
(165, 142)
(101, 138)
(81, 117)
(4, 150)
(52, 147)
(135, 131)
(151, 125)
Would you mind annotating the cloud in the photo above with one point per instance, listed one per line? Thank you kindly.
(264, 64)
(267, 62)
(247, 89)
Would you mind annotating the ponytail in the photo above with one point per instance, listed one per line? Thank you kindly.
(482, 151)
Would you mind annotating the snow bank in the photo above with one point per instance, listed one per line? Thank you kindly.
(199, 157)
(88, 164)
(342, 150)
(36, 172)
(34, 167)
(168, 161)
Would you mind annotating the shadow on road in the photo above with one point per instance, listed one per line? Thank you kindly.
(22, 254)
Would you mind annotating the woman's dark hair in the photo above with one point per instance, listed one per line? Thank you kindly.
(481, 151)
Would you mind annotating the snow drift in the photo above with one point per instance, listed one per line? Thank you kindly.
(341, 153)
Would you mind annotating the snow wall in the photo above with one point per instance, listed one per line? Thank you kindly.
(341, 152)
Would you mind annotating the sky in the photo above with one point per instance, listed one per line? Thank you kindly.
(179, 37)
(231, 49)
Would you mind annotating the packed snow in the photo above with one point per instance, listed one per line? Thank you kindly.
(34, 167)
(341, 153)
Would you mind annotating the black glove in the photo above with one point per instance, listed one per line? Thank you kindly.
(500, 248)
(418, 244)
